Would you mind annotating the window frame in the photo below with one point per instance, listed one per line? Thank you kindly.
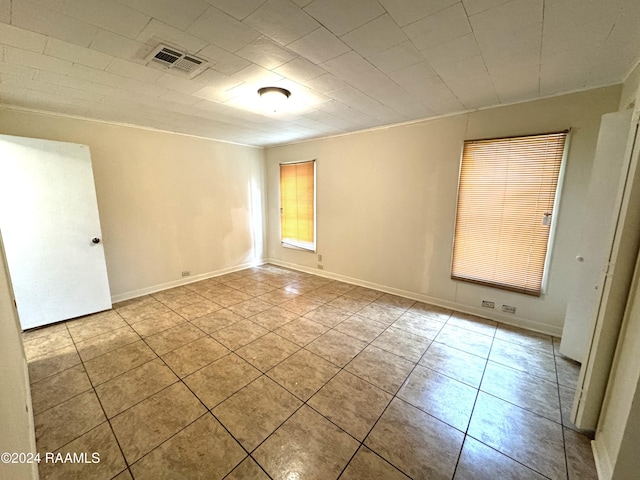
(310, 247)
(552, 227)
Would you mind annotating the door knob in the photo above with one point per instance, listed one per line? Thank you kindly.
(95, 240)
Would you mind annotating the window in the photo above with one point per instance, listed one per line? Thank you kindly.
(506, 198)
(297, 205)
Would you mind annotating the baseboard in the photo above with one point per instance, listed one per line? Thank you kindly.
(604, 468)
(183, 281)
(510, 320)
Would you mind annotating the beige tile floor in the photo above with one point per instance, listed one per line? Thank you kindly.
(271, 373)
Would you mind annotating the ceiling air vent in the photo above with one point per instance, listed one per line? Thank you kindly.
(178, 61)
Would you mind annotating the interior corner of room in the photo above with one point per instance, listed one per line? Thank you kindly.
(174, 209)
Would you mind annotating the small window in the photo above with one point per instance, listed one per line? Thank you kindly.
(298, 205)
(506, 200)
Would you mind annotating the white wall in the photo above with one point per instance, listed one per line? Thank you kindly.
(16, 417)
(386, 203)
(168, 203)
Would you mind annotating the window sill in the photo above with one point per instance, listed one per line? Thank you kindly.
(296, 245)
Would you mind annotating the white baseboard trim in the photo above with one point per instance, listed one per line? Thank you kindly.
(183, 281)
(510, 320)
(604, 468)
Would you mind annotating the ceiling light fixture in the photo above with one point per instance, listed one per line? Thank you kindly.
(274, 97)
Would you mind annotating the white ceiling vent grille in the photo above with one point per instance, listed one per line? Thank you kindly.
(180, 62)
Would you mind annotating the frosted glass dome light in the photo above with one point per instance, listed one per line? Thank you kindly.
(274, 97)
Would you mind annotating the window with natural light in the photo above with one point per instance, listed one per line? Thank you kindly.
(506, 199)
(298, 205)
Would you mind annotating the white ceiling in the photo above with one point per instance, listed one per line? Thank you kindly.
(350, 64)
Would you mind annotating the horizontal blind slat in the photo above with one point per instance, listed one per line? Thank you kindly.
(507, 186)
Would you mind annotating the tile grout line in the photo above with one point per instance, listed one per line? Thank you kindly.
(304, 347)
(475, 401)
(564, 439)
(95, 392)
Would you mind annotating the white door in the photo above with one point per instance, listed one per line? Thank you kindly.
(51, 229)
(609, 169)
(596, 369)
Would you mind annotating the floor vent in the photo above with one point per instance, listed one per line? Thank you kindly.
(179, 62)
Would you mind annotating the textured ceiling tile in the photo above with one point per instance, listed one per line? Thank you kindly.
(511, 17)
(354, 69)
(376, 36)
(18, 70)
(239, 9)
(340, 110)
(223, 61)
(157, 32)
(217, 91)
(48, 22)
(615, 58)
(341, 17)
(107, 14)
(12, 95)
(300, 70)
(514, 85)
(5, 11)
(282, 20)
(439, 27)
(396, 58)
(562, 68)
(117, 45)
(333, 123)
(528, 61)
(470, 67)
(36, 60)
(498, 44)
(178, 16)
(476, 6)
(454, 50)
(76, 54)
(17, 37)
(132, 87)
(80, 84)
(582, 44)
(18, 80)
(257, 76)
(222, 30)
(302, 3)
(133, 70)
(301, 94)
(405, 12)
(568, 26)
(474, 91)
(414, 74)
(326, 83)
(319, 46)
(266, 53)
(354, 98)
(181, 84)
(181, 98)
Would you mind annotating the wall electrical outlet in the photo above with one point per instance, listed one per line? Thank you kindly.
(319, 257)
(508, 309)
(186, 273)
(320, 267)
(488, 304)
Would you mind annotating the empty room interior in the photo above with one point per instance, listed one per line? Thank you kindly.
(319, 239)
